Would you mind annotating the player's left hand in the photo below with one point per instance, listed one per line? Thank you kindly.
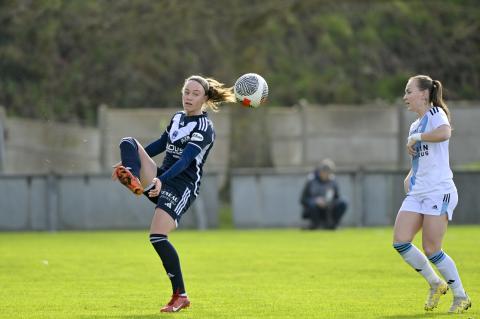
(410, 143)
(155, 191)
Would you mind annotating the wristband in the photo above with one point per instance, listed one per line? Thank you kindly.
(416, 137)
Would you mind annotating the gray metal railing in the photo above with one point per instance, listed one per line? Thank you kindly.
(87, 202)
(270, 198)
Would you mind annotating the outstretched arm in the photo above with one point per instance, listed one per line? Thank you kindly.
(157, 146)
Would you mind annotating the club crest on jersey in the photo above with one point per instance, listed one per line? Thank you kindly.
(196, 137)
(178, 132)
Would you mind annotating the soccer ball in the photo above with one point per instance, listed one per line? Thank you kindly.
(251, 89)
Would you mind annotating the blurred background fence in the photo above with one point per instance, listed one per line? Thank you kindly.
(89, 202)
(271, 198)
(55, 176)
(260, 199)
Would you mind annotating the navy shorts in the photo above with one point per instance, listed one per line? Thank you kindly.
(175, 198)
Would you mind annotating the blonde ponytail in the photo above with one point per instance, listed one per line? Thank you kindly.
(215, 91)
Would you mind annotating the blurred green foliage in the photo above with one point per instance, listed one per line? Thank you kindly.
(62, 59)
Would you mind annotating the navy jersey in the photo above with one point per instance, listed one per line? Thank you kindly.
(187, 142)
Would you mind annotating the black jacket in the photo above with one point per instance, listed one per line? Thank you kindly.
(316, 187)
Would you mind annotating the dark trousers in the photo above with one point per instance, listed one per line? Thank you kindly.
(328, 217)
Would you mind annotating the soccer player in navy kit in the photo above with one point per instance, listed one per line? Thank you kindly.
(431, 195)
(187, 141)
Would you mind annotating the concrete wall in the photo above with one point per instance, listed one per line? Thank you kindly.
(350, 136)
(464, 143)
(362, 136)
(369, 137)
(366, 136)
(33, 146)
(91, 201)
(271, 198)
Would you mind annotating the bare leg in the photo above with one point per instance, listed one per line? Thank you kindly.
(407, 225)
(434, 229)
(148, 169)
(162, 223)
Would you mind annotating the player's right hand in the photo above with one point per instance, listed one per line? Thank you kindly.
(155, 191)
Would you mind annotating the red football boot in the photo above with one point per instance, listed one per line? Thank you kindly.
(129, 180)
(176, 303)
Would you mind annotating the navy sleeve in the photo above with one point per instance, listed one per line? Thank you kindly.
(157, 146)
(188, 155)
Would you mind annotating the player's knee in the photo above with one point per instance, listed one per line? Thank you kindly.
(128, 142)
(402, 247)
(436, 257)
(400, 236)
(430, 250)
(156, 238)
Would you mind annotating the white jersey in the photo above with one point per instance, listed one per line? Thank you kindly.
(431, 173)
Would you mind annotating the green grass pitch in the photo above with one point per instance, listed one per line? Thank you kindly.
(349, 273)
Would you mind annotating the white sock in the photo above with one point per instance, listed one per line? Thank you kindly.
(418, 261)
(446, 266)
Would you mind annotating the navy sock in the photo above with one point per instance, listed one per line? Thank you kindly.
(129, 155)
(170, 261)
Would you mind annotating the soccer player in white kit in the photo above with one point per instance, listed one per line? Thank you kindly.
(431, 195)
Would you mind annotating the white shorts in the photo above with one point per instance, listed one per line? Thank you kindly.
(431, 204)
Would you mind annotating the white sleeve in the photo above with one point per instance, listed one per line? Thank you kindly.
(439, 119)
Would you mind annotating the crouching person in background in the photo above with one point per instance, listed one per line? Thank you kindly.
(320, 199)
